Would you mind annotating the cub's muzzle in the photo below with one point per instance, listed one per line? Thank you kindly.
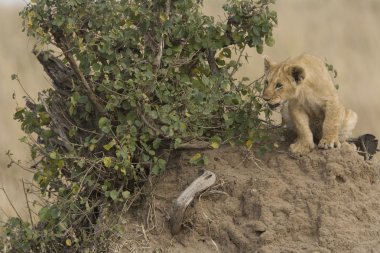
(273, 106)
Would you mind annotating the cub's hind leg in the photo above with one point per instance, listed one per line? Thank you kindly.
(348, 124)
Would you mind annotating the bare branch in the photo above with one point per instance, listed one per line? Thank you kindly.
(94, 99)
(211, 62)
(157, 61)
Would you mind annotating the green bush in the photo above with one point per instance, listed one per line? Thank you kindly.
(132, 80)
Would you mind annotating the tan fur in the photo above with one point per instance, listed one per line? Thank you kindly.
(310, 102)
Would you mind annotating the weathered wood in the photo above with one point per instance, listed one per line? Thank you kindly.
(60, 74)
(179, 206)
(57, 125)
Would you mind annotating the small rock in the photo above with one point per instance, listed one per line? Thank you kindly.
(259, 226)
(266, 237)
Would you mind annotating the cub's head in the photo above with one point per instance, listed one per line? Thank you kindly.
(281, 82)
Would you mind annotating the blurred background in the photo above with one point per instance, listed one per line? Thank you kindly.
(344, 32)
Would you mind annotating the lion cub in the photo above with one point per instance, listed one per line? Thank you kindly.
(311, 107)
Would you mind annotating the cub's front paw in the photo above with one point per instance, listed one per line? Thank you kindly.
(327, 143)
(301, 148)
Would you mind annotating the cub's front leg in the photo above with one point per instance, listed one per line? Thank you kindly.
(334, 113)
(304, 142)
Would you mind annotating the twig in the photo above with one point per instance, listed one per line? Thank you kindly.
(10, 202)
(17, 163)
(238, 61)
(254, 81)
(210, 192)
(27, 203)
(366, 156)
(216, 246)
(144, 233)
(22, 87)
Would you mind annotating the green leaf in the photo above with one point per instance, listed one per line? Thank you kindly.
(14, 76)
(156, 143)
(114, 195)
(260, 49)
(156, 169)
(44, 213)
(53, 155)
(105, 125)
(126, 194)
(107, 161)
(131, 117)
(55, 213)
(177, 142)
(61, 164)
(215, 142)
(23, 139)
(109, 145)
(195, 159)
(161, 164)
(269, 41)
(227, 52)
(199, 160)
(205, 160)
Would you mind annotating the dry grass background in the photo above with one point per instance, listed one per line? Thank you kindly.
(345, 32)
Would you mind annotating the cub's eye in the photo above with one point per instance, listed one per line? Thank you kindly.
(278, 86)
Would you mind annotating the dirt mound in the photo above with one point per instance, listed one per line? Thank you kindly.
(327, 201)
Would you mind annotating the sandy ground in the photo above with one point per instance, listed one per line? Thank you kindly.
(327, 201)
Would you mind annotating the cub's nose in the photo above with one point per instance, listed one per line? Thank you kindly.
(266, 98)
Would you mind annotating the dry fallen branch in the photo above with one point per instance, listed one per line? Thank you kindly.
(200, 184)
(366, 145)
(27, 203)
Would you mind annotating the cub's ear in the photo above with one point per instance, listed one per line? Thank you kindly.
(298, 73)
(268, 64)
